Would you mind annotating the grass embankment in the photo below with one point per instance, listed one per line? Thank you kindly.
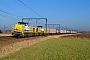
(54, 49)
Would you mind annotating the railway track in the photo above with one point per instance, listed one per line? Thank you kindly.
(5, 40)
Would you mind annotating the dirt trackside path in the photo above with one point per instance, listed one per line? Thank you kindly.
(15, 46)
(3, 34)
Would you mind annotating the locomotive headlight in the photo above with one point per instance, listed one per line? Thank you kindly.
(42, 29)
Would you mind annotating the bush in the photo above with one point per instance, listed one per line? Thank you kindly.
(0, 31)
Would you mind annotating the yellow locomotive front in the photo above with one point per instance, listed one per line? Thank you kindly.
(20, 29)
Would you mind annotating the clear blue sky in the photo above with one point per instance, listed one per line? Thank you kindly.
(71, 13)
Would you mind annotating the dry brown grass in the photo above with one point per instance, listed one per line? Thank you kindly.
(12, 47)
(80, 36)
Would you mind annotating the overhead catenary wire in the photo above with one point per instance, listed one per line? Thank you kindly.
(25, 6)
(29, 8)
(8, 17)
(10, 14)
(12, 9)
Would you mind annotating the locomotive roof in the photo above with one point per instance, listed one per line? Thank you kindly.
(22, 22)
(39, 26)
